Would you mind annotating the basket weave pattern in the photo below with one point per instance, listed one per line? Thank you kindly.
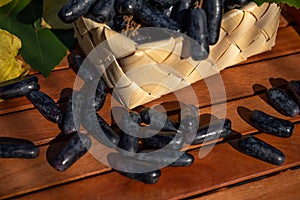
(142, 73)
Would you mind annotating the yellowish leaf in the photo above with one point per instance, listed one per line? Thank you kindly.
(10, 67)
(4, 2)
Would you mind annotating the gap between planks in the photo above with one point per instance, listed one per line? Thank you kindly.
(283, 186)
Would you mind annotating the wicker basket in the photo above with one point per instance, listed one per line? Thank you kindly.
(141, 74)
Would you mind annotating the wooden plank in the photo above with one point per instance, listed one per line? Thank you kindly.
(40, 169)
(24, 175)
(223, 166)
(53, 86)
(283, 22)
(284, 186)
(31, 125)
(287, 43)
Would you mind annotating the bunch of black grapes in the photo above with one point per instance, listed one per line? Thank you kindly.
(200, 20)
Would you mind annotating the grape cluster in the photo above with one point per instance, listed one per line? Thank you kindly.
(200, 20)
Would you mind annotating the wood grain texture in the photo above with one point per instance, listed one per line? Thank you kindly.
(30, 124)
(284, 186)
(223, 166)
(22, 176)
(40, 166)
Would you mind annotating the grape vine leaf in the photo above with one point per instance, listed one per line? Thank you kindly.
(50, 10)
(295, 3)
(41, 48)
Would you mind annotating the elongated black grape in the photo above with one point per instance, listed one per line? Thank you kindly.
(46, 105)
(272, 125)
(232, 4)
(70, 152)
(74, 9)
(168, 11)
(213, 131)
(157, 120)
(163, 158)
(129, 140)
(100, 94)
(162, 4)
(294, 86)
(95, 98)
(97, 127)
(68, 120)
(181, 13)
(162, 139)
(128, 7)
(18, 88)
(84, 72)
(184, 160)
(189, 123)
(130, 167)
(198, 31)
(104, 10)
(214, 10)
(282, 102)
(17, 148)
(257, 148)
(72, 116)
(155, 18)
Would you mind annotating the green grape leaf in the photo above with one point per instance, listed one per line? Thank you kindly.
(41, 48)
(295, 3)
(50, 10)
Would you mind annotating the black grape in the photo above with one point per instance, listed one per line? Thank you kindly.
(272, 125)
(128, 7)
(74, 9)
(257, 148)
(104, 11)
(214, 10)
(181, 13)
(156, 18)
(18, 88)
(17, 148)
(46, 105)
(282, 102)
(130, 131)
(71, 151)
(198, 31)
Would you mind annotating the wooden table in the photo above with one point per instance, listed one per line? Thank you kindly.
(223, 174)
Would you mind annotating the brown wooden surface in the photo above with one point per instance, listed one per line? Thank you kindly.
(277, 186)
(223, 166)
(211, 177)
